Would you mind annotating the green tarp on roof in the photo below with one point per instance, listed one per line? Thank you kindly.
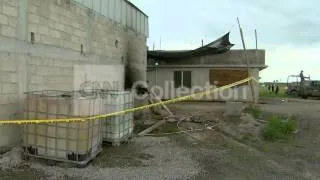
(220, 45)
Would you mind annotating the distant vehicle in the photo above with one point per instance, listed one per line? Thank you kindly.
(293, 85)
(310, 89)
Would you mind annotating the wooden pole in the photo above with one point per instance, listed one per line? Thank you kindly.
(247, 62)
(150, 129)
(163, 105)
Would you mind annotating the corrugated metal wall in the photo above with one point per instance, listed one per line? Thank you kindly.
(120, 11)
(151, 77)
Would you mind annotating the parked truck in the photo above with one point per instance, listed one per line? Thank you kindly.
(293, 84)
(309, 88)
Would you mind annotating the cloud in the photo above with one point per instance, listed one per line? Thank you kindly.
(286, 22)
(287, 29)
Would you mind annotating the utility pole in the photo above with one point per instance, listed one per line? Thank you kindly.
(156, 65)
(256, 38)
(247, 61)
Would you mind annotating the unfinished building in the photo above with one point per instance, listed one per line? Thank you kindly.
(180, 73)
(43, 40)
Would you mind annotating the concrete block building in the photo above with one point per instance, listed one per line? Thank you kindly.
(42, 40)
(180, 73)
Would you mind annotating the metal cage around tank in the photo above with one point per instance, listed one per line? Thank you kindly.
(75, 142)
(119, 128)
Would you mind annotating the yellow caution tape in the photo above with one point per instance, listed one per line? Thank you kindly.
(70, 120)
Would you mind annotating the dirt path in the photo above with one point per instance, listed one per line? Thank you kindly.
(298, 159)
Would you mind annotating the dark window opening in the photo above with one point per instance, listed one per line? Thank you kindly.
(182, 79)
(32, 38)
(177, 79)
(116, 43)
(187, 79)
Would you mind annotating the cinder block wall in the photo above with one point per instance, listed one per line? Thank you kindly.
(61, 24)
(232, 57)
(9, 87)
(60, 28)
(9, 13)
(199, 80)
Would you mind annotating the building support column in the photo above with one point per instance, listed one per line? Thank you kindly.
(22, 26)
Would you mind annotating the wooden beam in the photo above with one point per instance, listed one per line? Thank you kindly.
(247, 61)
(163, 105)
(150, 129)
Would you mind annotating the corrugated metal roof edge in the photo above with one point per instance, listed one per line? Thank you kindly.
(261, 67)
(134, 6)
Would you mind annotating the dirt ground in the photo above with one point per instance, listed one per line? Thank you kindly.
(206, 153)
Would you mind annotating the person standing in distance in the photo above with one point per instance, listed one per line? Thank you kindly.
(301, 77)
(277, 87)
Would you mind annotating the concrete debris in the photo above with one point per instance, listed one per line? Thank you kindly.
(248, 126)
(209, 127)
(248, 118)
(197, 119)
(234, 109)
(11, 159)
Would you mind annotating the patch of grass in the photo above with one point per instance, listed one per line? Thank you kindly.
(279, 128)
(265, 93)
(255, 111)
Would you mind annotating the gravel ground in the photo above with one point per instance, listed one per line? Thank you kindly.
(203, 155)
(10, 159)
(160, 158)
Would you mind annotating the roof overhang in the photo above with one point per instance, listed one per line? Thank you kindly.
(260, 67)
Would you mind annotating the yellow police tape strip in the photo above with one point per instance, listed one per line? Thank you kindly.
(69, 120)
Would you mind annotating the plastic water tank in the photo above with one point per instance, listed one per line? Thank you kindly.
(116, 129)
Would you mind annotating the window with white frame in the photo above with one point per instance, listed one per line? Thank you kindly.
(182, 79)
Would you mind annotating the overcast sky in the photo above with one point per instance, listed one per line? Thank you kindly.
(289, 30)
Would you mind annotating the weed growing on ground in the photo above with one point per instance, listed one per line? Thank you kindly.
(255, 111)
(279, 128)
